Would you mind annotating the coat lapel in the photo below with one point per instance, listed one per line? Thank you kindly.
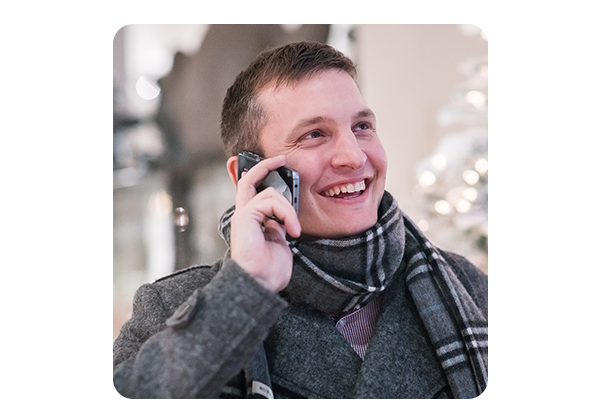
(308, 356)
(400, 361)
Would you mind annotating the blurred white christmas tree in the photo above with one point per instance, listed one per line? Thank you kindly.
(452, 183)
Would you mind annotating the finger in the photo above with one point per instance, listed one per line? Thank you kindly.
(250, 180)
(270, 203)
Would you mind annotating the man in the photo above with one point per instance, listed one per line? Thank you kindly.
(346, 299)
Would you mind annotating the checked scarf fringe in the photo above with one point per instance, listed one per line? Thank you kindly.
(337, 275)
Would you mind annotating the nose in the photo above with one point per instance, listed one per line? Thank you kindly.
(347, 152)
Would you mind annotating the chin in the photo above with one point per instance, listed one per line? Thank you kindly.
(343, 219)
(343, 229)
(356, 229)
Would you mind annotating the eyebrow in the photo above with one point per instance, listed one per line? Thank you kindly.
(366, 113)
(310, 121)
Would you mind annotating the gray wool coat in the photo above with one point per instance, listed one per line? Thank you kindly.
(192, 332)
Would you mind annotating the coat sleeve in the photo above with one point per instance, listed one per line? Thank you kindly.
(201, 346)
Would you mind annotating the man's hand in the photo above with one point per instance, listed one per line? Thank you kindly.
(258, 243)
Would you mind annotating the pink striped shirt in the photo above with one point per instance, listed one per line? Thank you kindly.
(357, 326)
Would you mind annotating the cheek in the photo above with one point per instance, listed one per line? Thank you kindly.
(307, 178)
(306, 195)
(308, 170)
(378, 157)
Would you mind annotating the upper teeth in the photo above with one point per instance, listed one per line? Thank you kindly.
(349, 188)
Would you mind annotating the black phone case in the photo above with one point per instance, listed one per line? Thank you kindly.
(275, 179)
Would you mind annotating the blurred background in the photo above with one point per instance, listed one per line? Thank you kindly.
(427, 84)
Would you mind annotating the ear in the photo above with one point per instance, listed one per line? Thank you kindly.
(232, 169)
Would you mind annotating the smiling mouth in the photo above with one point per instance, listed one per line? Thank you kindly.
(346, 191)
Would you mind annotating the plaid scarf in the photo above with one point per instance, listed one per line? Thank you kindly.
(351, 271)
(337, 275)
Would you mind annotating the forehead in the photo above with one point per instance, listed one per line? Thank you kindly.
(312, 95)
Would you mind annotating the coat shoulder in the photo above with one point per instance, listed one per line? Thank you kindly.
(154, 303)
(178, 286)
(472, 278)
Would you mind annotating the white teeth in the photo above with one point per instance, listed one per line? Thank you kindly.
(349, 188)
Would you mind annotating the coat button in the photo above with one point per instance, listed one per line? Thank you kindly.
(181, 311)
(185, 312)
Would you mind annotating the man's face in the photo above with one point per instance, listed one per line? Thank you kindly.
(327, 133)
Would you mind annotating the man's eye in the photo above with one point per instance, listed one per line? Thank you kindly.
(362, 126)
(313, 134)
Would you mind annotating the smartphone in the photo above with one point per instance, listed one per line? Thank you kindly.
(283, 180)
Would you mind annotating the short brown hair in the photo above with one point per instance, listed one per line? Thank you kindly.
(242, 117)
